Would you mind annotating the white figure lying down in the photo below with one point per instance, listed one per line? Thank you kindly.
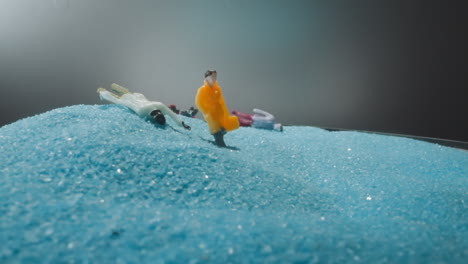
(138, 103)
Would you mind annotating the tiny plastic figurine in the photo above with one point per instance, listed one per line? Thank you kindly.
(245, 120)
(137, 102)
(192, 112)
(210, 101)
(174, 108)
(261, 119)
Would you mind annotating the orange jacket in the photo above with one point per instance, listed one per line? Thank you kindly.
(211, 103)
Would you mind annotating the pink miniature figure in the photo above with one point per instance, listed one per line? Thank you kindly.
(245, 120)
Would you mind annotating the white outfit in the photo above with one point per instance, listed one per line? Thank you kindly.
(140, 105)
(263, 119)
(262, 116)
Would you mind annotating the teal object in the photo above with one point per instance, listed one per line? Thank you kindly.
(97, 184)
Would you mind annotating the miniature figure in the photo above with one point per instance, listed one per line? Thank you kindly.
(192, 112)
(261, 119)
(210, 101)
(137, 102)
(174, 108)
(245, 120)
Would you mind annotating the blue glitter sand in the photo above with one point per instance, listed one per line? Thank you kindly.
(96, 184)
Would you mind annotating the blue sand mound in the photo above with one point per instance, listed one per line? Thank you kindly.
(96, 184)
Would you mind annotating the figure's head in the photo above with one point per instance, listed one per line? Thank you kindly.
(210, 77)
(158, 117)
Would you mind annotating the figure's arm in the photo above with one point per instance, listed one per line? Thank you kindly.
(166, 111)
(200, 100)
(119, 89)
(263, 119)
(105, 95)
(261, 115)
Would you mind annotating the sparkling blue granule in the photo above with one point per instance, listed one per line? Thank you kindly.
(97, 184)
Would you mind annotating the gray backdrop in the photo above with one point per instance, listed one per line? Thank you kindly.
(388, 67)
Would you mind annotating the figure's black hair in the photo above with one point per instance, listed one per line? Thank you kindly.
(209, 72)
(158, 117)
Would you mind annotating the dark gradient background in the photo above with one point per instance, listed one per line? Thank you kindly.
(387, 67)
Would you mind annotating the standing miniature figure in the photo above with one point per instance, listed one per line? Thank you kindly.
(210, 101)
(137, 102)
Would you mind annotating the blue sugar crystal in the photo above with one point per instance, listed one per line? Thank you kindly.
(97, 184)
